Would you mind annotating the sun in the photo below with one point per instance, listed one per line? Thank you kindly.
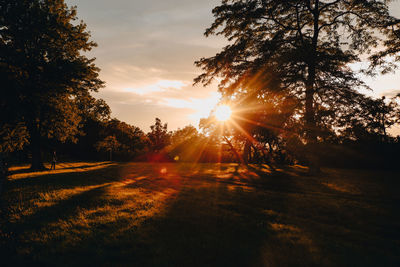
(223, 113)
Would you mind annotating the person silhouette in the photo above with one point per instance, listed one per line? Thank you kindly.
(53, 161)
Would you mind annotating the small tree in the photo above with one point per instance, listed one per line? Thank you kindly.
(159, 137)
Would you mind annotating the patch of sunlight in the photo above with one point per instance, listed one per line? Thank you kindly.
(283, 227)
(60, 168)
(253, 174)
(343, 188)
(121, 209)
(242, 188)
(131, 180)
(266, 168)
(292, 234)
(23, 208)
(271, 212)
(289, 235)
(224, 176)
(300, 167)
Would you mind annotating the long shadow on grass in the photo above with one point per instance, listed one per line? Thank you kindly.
(39, 224)
(53, 181)
(225, 217)
(275, 218)
(28, 170)
(227, 221)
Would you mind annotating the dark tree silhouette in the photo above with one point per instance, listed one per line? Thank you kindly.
(297, 49)
(132, 140)
(159, 137)
(43, 70)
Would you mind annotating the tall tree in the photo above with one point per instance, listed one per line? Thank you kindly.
(43, 69)
(159, 136)
(297, 49)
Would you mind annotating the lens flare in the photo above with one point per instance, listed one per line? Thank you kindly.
(223, 113)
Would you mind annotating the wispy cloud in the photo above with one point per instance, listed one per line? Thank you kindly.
(160, 86)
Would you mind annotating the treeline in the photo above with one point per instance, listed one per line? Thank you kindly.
(286, 75)
(116, 140)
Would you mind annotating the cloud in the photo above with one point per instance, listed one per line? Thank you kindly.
(160, 86)
(391, 93)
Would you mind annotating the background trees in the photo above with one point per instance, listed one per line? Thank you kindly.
(299, 51)
(43, 70)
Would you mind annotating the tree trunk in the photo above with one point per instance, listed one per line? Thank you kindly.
(37, 162)
(311, 126)
(238, 157)
(247, 152)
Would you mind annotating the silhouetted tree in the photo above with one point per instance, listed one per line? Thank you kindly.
(370, 120)
(43, 70)
(109, 144)
(299, 50)
(132, 140)
(222, 134)
(159, 137)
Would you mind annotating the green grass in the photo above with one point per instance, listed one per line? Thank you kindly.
(140, 214)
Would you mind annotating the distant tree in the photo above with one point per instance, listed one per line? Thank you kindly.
(185, 144)
(370, 120)
(43, 70)
(159, 137)
(299, 50)
(180, 136)
(131, 138)
(109, 144)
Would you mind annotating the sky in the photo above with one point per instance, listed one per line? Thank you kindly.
(146, 52)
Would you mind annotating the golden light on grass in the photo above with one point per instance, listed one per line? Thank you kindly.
(223, 113)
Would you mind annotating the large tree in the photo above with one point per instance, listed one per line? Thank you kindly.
(44, 70)
(297, 49)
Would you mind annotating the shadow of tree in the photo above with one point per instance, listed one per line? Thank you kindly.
(66, 180)
(216, 215)
(21, 170)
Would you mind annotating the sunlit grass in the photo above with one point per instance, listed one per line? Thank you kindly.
(71, 167)
(199, 214)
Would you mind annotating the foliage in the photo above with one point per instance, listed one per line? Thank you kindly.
(13, 138)
(159, 137)
(131, 139)
(108, 144)
(43, 70)
(298, 52)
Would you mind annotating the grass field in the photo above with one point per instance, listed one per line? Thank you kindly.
(140, 214)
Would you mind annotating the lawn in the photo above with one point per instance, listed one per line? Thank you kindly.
(141, 214)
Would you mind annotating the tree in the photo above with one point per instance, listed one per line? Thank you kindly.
(43, 70)
(132, 140)
(297, 49)
(159, 137)
(109, 144)
(370, 120)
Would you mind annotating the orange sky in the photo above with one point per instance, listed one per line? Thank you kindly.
(146, 53)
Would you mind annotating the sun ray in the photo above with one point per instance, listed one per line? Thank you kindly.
(223, 113)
